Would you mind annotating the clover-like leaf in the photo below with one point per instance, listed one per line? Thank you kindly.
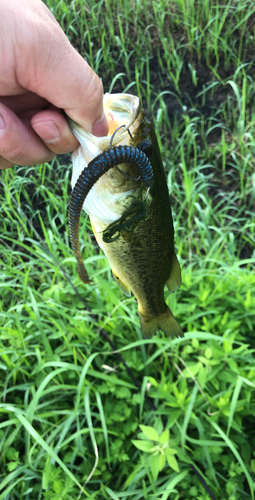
(170, 451)
(150, 432)
(172, 462)
(162, 461)
(143, 445)
(154, 463)
(140, 435)
(164, 437)
(12, 466)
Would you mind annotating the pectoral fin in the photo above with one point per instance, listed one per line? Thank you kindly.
(125, 289)
(174, 281)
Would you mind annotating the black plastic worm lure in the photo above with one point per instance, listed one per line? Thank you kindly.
(89, 176)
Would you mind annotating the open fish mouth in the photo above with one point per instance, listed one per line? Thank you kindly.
(121, 110)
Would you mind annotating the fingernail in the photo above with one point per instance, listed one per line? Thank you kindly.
(47, 131)
(101, 127)
(2, 126)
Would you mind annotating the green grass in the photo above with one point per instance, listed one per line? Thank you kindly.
(69, 410)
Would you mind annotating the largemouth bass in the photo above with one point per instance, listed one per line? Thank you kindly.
(119, 181)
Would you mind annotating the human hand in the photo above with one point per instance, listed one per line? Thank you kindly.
(41, 74)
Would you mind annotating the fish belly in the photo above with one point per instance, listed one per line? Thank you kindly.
(143, 261)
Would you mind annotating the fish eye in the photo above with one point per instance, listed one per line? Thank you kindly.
(146, 147)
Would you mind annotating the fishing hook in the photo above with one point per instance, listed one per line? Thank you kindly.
(116, 130)
(114, 133)
(111, 141)
(127, 222)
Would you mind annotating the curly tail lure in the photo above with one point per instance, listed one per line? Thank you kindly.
(90, 175)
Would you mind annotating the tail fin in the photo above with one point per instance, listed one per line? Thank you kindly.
(165, 321)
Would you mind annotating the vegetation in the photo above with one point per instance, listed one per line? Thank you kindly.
(73, 424)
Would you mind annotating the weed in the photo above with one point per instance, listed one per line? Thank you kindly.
(70, 414)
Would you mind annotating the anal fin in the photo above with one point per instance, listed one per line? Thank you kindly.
(174, 281)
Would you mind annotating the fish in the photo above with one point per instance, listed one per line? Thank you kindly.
(119, 180)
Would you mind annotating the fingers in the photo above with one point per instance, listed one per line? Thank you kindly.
(60, 75)
(20, 143)
(4, 164)
(51, 126)
(39, 61)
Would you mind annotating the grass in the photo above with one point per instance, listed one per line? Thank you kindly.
(69, 410)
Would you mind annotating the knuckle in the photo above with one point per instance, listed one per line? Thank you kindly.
(4, 164)
(14, 153)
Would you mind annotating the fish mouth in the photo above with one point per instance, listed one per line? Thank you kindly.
(120, 110)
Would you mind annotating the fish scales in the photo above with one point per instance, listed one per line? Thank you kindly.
(139, 239)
